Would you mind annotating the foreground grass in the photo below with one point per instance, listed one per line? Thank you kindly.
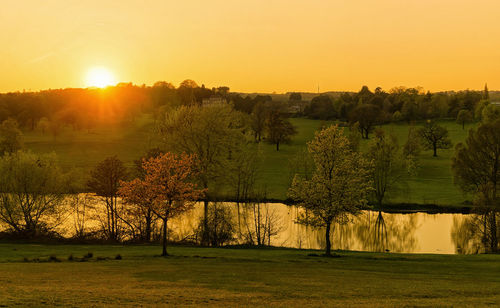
(242, 277)
(432, 185)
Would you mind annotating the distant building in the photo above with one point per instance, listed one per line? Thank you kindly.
(213, 101)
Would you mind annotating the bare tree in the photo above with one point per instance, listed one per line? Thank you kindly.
(104, 182)
(261, 223)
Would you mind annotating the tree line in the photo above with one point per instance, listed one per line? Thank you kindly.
(209, 150)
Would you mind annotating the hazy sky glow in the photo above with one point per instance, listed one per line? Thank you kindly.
(253, 45)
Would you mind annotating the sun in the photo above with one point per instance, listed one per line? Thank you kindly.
(99, 77)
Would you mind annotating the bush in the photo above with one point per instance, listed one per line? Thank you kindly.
(220, 223)
(53, 258)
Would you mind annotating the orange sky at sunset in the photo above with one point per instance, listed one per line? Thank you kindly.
(252, 46)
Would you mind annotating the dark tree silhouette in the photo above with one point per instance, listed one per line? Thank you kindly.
(367, 116)
(104, 182)
(279, 129)
(476, 168)
(434, 137)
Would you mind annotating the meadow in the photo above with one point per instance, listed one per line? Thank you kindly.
(194, 276)
(433, 184)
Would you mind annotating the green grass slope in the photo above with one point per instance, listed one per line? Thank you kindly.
(432, 185)
(242, 277)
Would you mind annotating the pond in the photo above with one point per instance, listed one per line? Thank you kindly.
(370, 231)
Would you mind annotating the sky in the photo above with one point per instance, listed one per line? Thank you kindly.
(253, 46)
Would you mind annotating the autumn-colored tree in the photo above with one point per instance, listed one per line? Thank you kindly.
(141, 210)
(104, 182)
(167, 188)
(434, 136)
(339, 185)
(476, 169)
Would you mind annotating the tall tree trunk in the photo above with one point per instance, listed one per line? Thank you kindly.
(147, 237)
(434, 146)
(493, 232)
(277, 146)
(204, 236)
(327, 238)
(164, 239)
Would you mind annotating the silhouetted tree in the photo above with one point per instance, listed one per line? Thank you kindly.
(279, 129)
(434, 137)
(321, 107)
(476, 169)
(104, 182)
(295, 96)
(32, 188)
(463, 117)
(258, 120)
(367, 116)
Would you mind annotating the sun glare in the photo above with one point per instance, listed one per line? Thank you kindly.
(99, 77)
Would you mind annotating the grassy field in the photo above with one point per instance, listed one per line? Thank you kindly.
(432, 185)
(242, 277)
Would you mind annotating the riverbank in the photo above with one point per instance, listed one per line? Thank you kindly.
(241, 277)
(394, 208)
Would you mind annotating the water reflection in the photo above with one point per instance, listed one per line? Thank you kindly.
(377, 231)
(472, 234)
(275, 224)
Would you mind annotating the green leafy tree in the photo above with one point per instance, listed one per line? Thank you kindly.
(463, 117)
(476, 169)
(258, 120)
(339, 185)
(388, 166)
(486, 93)
(367, 115)
(411, 150)
(11, 137)
(396, 116)
(490, 113)
(434, 136)
(279, 129)
(32, 193)
(215, 134)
